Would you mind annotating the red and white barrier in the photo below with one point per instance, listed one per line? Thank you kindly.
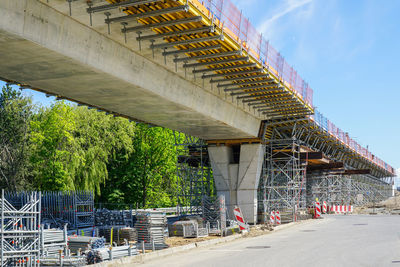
(324, 207)
(317, 210)
(272, 218)
(342, 209)
(277, 217)
(239, 218)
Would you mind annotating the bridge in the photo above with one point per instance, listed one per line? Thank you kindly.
(197, 67)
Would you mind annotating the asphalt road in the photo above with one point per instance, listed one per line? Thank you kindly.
(352, 240)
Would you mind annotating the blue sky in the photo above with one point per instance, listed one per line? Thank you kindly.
(348, 51)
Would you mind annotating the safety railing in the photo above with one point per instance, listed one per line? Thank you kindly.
(345, 139)
(227, 16)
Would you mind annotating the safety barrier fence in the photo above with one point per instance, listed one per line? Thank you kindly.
(228, 17)
(345, 139)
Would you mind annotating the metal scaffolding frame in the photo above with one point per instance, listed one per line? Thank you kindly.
(355, 190)
(20, 231)
(75, 208)
(194, 173)
(283, 178)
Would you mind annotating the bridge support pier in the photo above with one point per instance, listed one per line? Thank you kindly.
(237, 178)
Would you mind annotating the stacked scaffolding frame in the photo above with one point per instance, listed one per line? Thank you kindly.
(20, 231)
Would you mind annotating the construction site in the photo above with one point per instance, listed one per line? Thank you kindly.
(267, 158)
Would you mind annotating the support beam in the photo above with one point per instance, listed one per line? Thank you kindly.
(327, 166)
(188, 41)
(103, 8)
(249, 65)
(147, 14)
(211, 63)
(228, 74)
(243, 78)
(209, 56)
(224, 85)
(161, 24)
(251, 87)
(192, 50)
(175, 33)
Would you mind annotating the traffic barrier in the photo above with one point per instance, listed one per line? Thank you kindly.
(278, 217)
(240, 219)
(317, 210)
(272, 218)
(324, 207)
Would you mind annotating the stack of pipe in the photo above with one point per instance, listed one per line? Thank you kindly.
(103, 254)
(88, 231)
(105, 217)
(53, 241)
(150, 227)
(84, 243)
(75, 261)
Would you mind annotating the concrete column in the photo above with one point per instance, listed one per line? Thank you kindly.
(238, 181)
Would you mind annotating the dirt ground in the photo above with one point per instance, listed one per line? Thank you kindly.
(176, 241)
(389, 206)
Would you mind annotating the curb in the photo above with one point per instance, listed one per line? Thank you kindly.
(165, 252)
(170, 251)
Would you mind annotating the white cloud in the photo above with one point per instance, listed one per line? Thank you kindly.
(288, 7)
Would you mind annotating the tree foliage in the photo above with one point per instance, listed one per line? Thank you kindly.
(15, 114)
(76, 148)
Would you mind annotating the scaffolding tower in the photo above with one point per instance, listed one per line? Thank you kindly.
(20, 231)
(284, 179)
(355, 190)
(194, 173)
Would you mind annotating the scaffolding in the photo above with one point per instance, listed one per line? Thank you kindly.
(75, 208)
(20, 231)
(284, 179)
(355, 190)
(194, 173)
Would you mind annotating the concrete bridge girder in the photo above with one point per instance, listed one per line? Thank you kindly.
(51, 51)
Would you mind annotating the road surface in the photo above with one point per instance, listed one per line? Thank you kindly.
(336, 240)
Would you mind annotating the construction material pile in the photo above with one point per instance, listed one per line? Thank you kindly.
(150, 227)
(120, 234)
(187, 228)
(105, 217)
(85, 243)
(76, 261)
(88, 231)
(104, 254)
(53, 240)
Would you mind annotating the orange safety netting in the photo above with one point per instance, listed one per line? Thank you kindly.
(239, 28)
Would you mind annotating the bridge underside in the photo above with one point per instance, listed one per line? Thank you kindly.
(49, 51)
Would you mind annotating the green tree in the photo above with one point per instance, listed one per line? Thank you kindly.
(147, 175)
(54, 157)
(15, 114)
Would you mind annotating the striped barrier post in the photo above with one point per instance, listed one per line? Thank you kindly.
(324, 207)
(277, 217)
(239, 218)
(272, 218)
(317, 210)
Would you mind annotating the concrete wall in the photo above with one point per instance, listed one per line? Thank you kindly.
(49, 50)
